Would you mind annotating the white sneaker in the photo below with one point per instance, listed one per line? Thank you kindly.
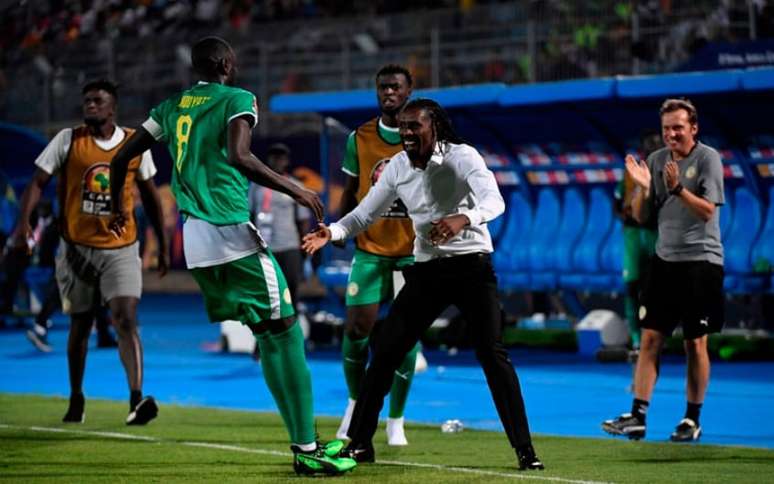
(395, 433)
(344, 427)
(421, 364)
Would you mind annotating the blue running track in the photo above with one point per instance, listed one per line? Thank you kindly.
(565, 394)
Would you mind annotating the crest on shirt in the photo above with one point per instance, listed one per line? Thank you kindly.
(95, 190)
(690, 172)
(398, 208)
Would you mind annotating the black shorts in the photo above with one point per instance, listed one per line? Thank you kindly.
(687, 293)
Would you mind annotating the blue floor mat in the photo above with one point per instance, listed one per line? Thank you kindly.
(565, 394)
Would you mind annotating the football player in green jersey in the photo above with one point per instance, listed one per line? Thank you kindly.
(207, 129)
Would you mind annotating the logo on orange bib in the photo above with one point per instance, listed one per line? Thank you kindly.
(95, 193)
(398, 208)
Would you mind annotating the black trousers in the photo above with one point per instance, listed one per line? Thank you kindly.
(469, 282)
(292, 264)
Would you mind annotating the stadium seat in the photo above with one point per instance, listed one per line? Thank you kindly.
(763, 250)
(511, 257)
(610, 277)
(542, 237)
(559, 252)
(496, 227)
(334, 274)
(726, 215)
(587, 254)
(740, 277)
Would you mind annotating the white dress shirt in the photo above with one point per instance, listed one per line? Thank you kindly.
(455, 181)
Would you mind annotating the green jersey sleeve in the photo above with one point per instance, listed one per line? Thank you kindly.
(242, 103)
(350, 164)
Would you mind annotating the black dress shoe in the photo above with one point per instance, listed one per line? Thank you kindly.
(527, 459)
(358, 452)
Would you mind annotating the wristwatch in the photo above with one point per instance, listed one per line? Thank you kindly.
(677, 189)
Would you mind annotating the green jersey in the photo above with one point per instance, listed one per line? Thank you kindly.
(351, 164)
(194, 125)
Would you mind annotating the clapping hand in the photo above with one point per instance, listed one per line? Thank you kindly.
(671, 175)
(639, 172)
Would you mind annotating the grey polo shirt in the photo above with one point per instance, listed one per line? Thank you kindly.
(682, 234)
(275, 216)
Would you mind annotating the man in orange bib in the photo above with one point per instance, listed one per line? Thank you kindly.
(91, 260)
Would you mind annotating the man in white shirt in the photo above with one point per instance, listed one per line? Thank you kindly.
(450, 195)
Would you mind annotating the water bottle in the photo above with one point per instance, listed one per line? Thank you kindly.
(451, 426)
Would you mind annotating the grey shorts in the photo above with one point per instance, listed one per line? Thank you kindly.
(83, 273)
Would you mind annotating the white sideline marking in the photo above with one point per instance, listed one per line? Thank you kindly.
(235, 448)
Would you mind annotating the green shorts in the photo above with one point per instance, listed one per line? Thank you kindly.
(370, 279)
(251, 289)
(639, 247)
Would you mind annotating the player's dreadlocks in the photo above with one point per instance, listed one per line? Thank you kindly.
(442, 125)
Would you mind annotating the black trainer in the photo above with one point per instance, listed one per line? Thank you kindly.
(686, 431)
(528, 460)
(359, 452)
(75, 411)
(145, 411)
(627, 425)
(38, 336)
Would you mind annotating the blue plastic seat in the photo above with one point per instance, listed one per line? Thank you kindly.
(558, 254)
(496, 227)
(726, 215)
(610, 276)
(740, 277)
(510, 258)
(763, 250)
(587, 254)
(542, 236)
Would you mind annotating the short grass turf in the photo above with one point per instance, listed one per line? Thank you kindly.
(252, 447)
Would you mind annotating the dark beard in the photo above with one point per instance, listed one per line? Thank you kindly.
(94, 122)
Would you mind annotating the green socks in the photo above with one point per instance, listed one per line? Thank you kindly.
(401, 382)
(283, 362)
(355, 354)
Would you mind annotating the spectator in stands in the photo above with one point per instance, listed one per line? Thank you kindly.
(639, 240)
(450, 195)
(281, 220)
(680, 185)
(92, 260)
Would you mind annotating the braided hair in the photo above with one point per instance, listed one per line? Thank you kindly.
(442, 125)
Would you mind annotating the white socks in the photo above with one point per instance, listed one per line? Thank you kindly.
(395, 433)
(344, 427)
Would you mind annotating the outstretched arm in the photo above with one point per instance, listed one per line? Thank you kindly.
(137, 144)
(240, 156)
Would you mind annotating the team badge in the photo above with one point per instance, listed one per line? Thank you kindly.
(95, 190)
(353, 289)
(690, 172)
(643, 312)
(398, 208)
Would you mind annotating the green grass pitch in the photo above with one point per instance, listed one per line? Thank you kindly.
(187, 444)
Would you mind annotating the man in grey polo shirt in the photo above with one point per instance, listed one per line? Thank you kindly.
(681, 185)
(281, 220)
